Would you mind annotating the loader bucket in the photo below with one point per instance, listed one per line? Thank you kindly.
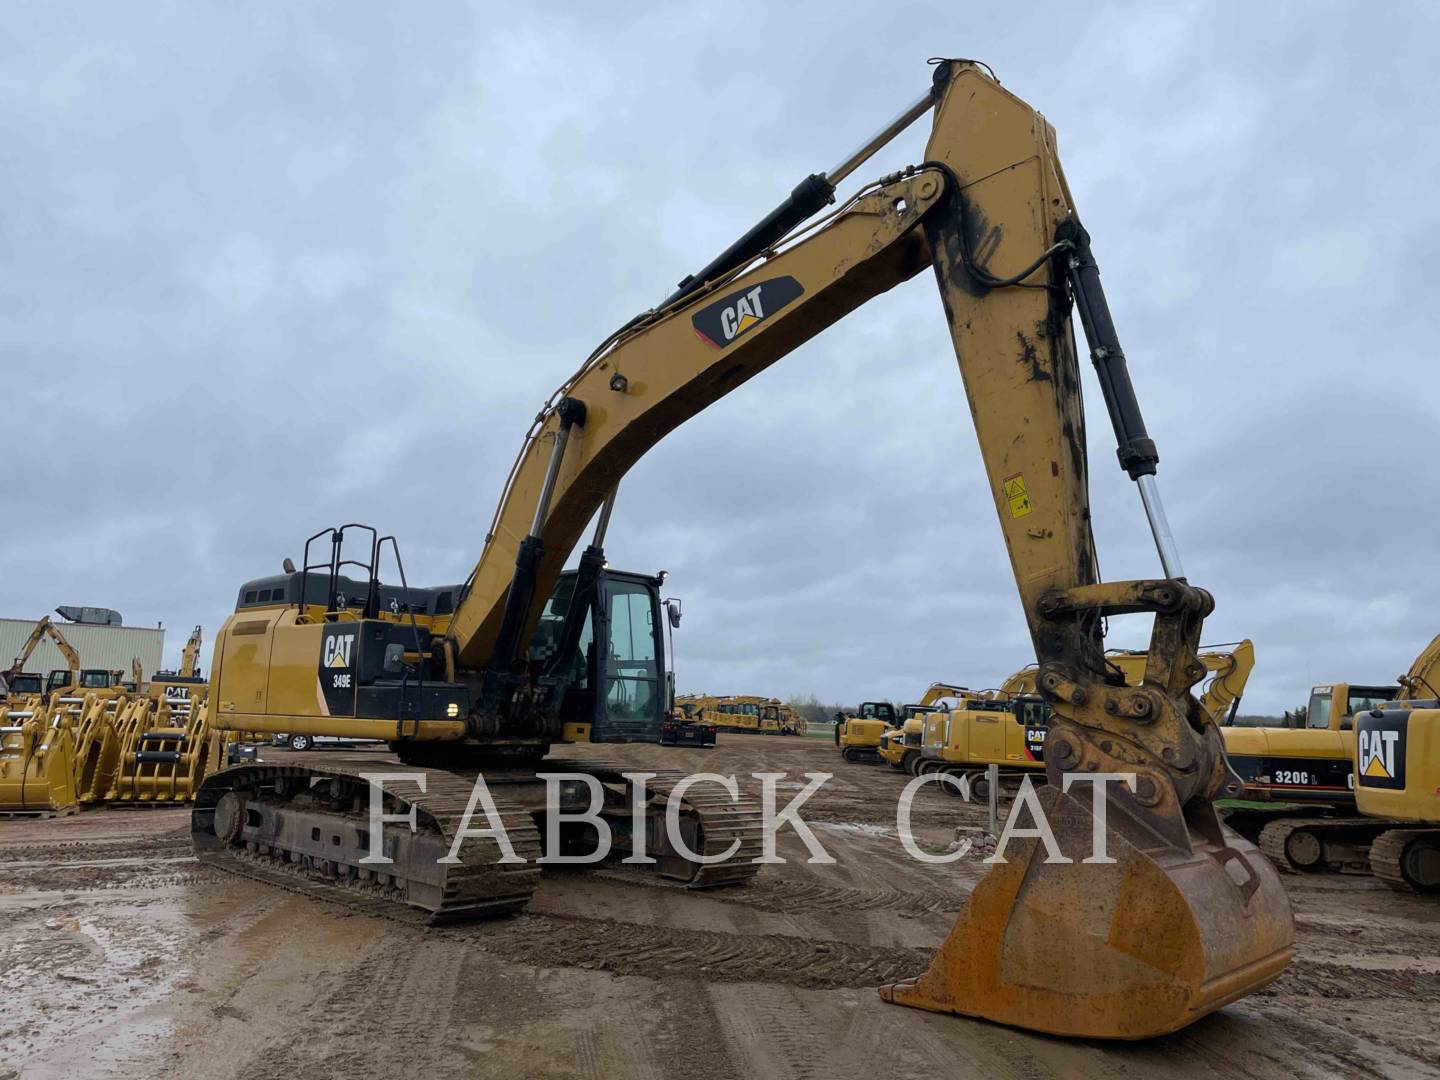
(37, 764)
(1132, 949)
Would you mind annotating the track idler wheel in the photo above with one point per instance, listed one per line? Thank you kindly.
(1131, 949)
(230, 817)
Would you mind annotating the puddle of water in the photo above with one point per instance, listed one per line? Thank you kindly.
(84, 984)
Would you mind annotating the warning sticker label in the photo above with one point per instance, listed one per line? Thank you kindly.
(1016, 495)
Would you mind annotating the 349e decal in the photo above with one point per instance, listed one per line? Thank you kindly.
(732, 317)
(338, 653)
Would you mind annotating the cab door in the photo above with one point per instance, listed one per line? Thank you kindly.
(631, 704)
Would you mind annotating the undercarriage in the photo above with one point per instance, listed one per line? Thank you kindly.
(306, 826)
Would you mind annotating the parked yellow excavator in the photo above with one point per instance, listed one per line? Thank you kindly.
(1397, 782)
(482, 679)
(20, 683)
(1007, 727)
(1302, 785)
(859, 735)
(900, 745)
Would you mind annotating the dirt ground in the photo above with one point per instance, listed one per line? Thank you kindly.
(122, 957)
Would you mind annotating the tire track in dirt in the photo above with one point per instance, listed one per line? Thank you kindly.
(793, 897)
(666, 952)
(1345, 982)
(402, 991)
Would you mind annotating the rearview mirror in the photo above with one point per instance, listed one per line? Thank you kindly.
(672, 612)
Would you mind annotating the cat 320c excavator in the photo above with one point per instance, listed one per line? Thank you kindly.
(1187, 916)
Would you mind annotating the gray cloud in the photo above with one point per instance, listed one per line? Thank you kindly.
(270, 269)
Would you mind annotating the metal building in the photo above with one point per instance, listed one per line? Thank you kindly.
(109, 647)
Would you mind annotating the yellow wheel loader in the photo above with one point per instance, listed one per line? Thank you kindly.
(1186, 918)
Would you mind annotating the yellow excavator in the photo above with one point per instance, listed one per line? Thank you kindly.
(900, 745)
(1007, 727)
(1008, 732)
(1228, 667)
(20, 683)
(1397, 782)
(17, 682)
(859, 735)
(1301, 798)
(482, 679)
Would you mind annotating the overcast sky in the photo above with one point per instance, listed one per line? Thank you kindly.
(268, 268)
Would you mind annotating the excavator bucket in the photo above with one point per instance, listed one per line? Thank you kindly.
(1129, 949)
(37, 762)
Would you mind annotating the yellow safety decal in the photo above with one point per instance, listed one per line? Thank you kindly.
(1016, 495)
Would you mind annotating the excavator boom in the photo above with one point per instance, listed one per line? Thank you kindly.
(190, 659)
(1423, 678)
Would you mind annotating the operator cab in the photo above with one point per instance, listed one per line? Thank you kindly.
(25, 683)
(1352, 699)
(877, 710)
(90, 679)
(614, 676)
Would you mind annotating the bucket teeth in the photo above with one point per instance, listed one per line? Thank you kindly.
(1129, 949)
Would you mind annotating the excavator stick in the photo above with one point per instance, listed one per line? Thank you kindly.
(1188, 916)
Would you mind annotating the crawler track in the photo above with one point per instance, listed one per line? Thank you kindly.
(1388, 858)
(290, 811)
(480, 886)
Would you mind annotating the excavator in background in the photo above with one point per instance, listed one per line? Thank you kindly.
(20, 683)
(1007, 726)
(190, 656)
(185, 682)
(1009, 732)
(900, 746)
(1301, 801)
(1229, 668)
(1186, 916)
(859, 735)
(72, 678)
(1397, 780)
